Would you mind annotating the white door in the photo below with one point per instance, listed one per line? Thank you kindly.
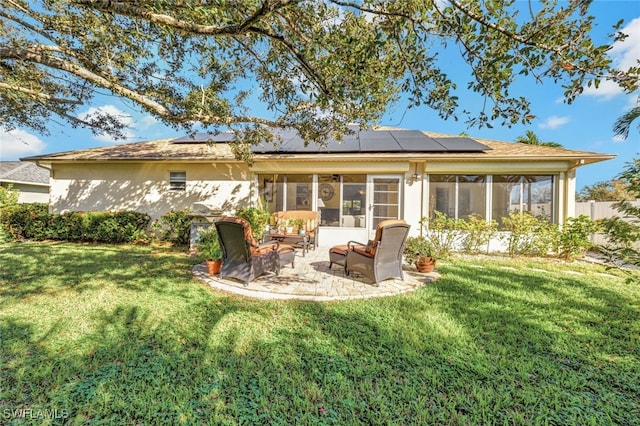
(383, 194)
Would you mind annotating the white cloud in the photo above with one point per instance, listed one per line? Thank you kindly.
(18, 143)
(132, 125)
(554, 122)
(624, 55)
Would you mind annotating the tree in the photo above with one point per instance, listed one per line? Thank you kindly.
(531, 138)
(622, 125)
(314, 65)
(613, 190)
(623, 232)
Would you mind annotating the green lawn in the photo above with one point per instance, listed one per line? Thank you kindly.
(124, 335)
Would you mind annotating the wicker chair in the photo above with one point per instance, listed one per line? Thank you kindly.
(378, 260)
(242, 257)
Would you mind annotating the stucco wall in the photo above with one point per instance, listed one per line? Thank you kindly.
(31, 193)
(144, 187)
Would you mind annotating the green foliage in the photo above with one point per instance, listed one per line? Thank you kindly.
(531, 138)
(574, 238)
(315, 66)
(257, 218)
(477, 233)
(623, 233)
(208, 244)
(613, 190)
(8, 196)
(33, 222)
(26, 221)
(174, 226)
(529, 235)
(416, 247)
(443, 232)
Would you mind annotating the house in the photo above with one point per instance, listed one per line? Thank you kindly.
(353, 184)
(32, 181)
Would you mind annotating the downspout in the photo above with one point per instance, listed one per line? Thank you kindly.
(50, 170)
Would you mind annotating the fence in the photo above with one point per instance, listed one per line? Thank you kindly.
(599, 210)
(595, 210)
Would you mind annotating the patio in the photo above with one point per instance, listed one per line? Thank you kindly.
(312, 280)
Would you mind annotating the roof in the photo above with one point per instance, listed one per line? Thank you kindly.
(373, 145)
(23, 172)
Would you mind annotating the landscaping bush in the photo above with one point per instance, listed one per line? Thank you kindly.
(443, 232)
(574, 239)
(33, 222)
(174, 227)
(28, 220)
(529, 235)
(477, 233)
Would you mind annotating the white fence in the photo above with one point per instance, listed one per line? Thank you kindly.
(595, 210)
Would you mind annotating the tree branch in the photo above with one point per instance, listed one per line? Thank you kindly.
(128, 9)
(39, 95)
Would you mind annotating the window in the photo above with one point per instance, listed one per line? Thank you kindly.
(177, 181)
(458, 196)
(342, 200)
(461, 196)
(529, 193)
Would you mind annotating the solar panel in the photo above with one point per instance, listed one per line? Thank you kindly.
(288, 141)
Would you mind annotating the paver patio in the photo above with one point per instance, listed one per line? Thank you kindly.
(311, 279)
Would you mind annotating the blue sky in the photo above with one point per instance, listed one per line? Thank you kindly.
(584, 125)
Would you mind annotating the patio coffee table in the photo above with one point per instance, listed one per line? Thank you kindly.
(302, 241)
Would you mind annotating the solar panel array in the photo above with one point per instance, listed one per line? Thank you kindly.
(368, 141)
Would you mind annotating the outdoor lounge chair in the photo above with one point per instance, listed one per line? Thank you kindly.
(242, 257)
(378, 260)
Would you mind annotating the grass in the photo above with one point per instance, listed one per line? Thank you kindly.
(123, 335)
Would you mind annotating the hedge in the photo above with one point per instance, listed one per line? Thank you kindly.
(34, 222)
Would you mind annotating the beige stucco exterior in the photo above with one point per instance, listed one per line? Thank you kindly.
(144, 186)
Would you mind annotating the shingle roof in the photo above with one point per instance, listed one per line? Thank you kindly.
(194, 151)
(23, 172)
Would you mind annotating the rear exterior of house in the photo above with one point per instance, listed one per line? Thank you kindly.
(353, 184)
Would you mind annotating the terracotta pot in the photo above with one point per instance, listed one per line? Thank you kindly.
(213, 266)
(425, 264)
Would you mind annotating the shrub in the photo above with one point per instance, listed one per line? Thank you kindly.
(28, 220)
(174, 226)
(477, 233)
(529, 235)
(115, 227)
(443, 233)
(574, 237)
(257, 218)
(8, 196)
(33, 221)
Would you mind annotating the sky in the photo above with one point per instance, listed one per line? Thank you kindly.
(585, 125)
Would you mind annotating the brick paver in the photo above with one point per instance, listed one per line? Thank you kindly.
(312, 280)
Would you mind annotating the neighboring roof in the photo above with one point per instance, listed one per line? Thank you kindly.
(376, 145)
(23, 172)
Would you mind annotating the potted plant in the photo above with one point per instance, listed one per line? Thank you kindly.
(420, 251)
(257, 218)
(287, 224)
(299, 223)
(208, 246)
